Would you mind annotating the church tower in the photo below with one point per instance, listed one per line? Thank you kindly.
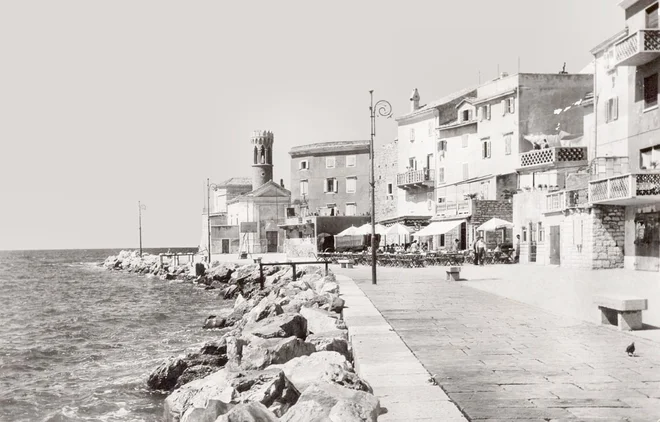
(262, 152)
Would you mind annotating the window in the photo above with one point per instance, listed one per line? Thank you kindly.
(650, 158)
(541, 232)
(329, 162)
(612, 109)
(330, 185)
(442, 200)
(303, 165)
(652, 16)
(485, 148)
(441, 175)
(333, 210)
(511, 105)
(350, 161)
(465, 171)
(651, 91)
(351, 184)
(507, 143)
(467, 115)
(464, 140)
(442, 145)
(412, 134)
(524, 234)
(485, 112)
(304, 187)
(390, 189)
(412, 164)
(351, 208)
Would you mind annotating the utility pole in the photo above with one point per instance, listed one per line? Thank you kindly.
(140, 208)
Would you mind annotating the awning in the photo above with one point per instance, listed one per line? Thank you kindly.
(439, 227)
(495, 224)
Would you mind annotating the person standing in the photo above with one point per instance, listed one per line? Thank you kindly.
(479, 251)
(517, 259)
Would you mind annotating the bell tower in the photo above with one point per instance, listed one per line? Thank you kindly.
(262, 152)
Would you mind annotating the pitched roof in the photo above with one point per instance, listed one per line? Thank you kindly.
(236, 181)
(328, 147)
(444, 100)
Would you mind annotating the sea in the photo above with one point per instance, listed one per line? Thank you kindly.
(77, 341)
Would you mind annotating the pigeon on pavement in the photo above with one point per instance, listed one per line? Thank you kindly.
(631, 349)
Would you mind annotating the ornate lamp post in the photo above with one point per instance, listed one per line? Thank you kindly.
(140, 208)
(209, 185)
(381, 108)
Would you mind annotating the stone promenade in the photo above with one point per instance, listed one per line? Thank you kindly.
(498, 359)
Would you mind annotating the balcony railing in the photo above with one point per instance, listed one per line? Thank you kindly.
(626, 189)
(565, 199)
(553, 156)
(416, 178)
(638, 48)
(463, 207)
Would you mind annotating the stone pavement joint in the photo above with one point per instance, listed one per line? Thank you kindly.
(495, 358)
(398, 379)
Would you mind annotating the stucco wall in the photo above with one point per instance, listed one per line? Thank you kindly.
(318, 173)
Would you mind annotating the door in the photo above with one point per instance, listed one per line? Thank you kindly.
(225, 246)
(647, 242)
(271, 238)
(555, 256)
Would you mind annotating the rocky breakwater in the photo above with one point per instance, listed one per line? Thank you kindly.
(282, 352)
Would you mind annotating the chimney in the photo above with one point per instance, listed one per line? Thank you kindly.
(414, 100)
(282, 183)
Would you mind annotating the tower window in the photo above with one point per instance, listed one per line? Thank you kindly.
(304, 187)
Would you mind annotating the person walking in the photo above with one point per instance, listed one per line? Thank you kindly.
(479, 251)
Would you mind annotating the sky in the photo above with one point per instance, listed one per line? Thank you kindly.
(107, 103)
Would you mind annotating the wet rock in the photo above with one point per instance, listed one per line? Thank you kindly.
(283, 325)
(330, 402)
(258, 353)
(231, 291)
(248, 412)
(166, 375)
(332, 341)
(214, 321)
(318, 320)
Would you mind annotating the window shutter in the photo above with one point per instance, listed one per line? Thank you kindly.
(513, 104)
(488, 146)
(488, 112)
(336, 185)
(615, 108)
(480, 112)
(504, 107)
(325, 186)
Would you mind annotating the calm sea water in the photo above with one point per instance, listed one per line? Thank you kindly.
(77, 342)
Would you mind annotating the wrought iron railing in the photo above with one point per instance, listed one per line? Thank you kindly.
(414, 177)
(552, 155)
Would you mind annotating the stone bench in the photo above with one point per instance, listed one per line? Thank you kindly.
(345, 263)
(453, 273)
(622, 311)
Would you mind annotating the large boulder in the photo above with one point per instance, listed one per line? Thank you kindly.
(248, 412)
(166, 375)
(258, 353)
(221, 273)
(330, 402)
(207, 398)
(266, 307)
(319, 320)
(283, 325)
(305, 370)
(332, 341)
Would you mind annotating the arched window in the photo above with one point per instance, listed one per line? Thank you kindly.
(269, 155)
(262, 155)
(255, 154)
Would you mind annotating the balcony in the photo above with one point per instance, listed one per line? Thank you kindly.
(638, 48)
(416, 179)
(626, 189)
(566, 199)
(450, 208)
(553, 157)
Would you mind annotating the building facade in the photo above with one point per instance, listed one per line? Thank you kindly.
(331, 178)
(245, 213)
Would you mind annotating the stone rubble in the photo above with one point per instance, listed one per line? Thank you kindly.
(282, 352)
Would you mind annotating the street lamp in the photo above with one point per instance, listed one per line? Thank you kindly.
(381, 108)
(140, 208)
(209, 185)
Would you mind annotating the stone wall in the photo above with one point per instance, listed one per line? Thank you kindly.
(608, 236)
(386, 168)
(483, 210)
